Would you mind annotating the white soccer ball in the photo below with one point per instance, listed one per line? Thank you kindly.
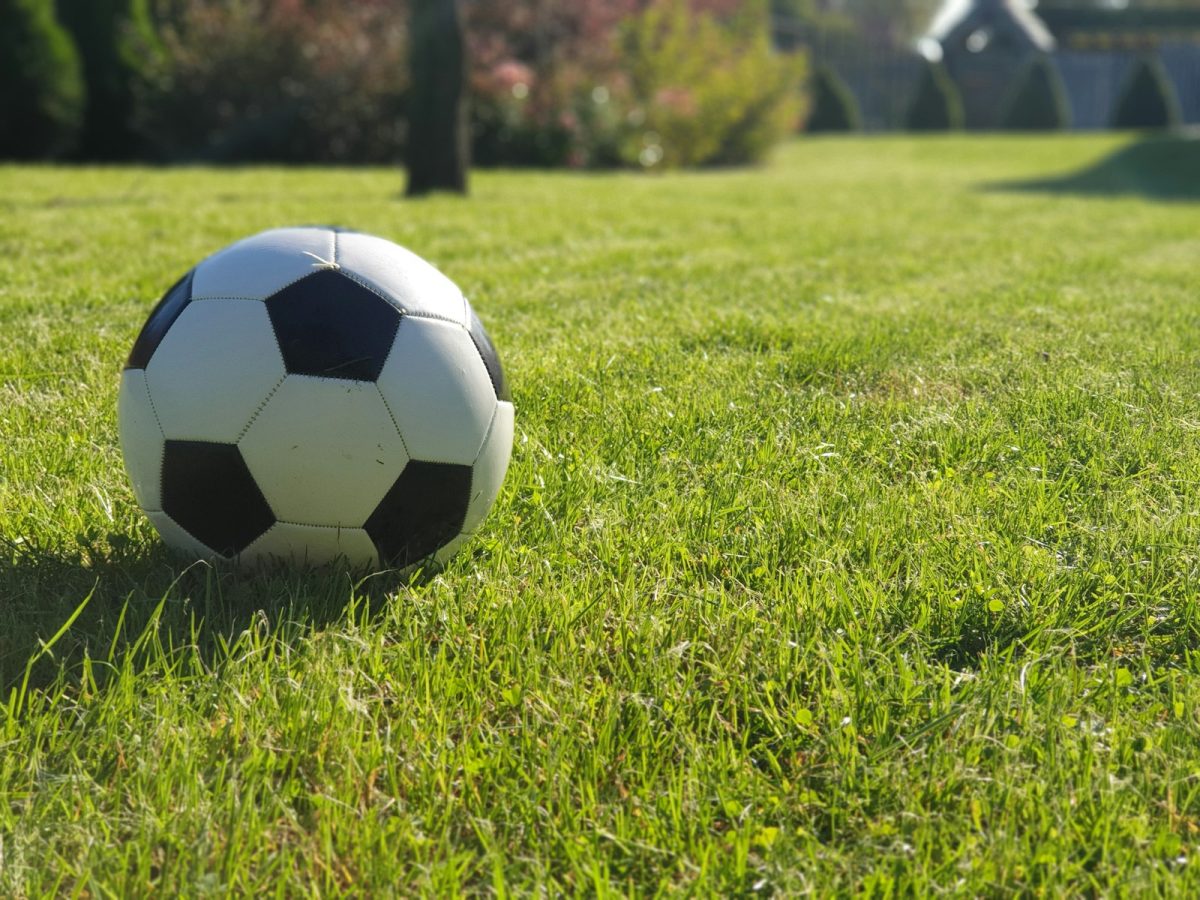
(314, 395)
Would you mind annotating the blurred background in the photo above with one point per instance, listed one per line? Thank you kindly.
(585, 83)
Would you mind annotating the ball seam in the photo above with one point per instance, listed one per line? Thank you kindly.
(433, 317)
(395, 423)
(254, 416)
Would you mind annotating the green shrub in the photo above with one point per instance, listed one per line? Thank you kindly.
(1148, 101)
(276, 80)
(833, 105)
(706, 92)
(41, 91)
(936, 104)
(1039, 100)
(112, 37)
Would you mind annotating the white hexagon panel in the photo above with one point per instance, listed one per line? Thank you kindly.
(416, 286)
(437, 386)
(213, 369)
(259, 266)
(311, 545)
(141, 439)
(179, 537)
(491, 466)
(324, 451)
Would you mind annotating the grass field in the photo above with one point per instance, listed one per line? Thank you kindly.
(851, 541)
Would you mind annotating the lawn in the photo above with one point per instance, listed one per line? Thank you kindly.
(851, 541)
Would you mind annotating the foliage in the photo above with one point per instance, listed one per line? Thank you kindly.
(1038, 101)
(601, 83)
(286, 80)
(834, 107)
(545, 84)
(848, 545)
(704, 91)
(41, 91)
(113, 38)
(563, 119)
(936, 104)
(551, 83)
(1148, 100)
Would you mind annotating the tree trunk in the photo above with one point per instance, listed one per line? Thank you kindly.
(438, 149)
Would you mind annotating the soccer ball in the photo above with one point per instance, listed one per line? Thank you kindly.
(312, 395)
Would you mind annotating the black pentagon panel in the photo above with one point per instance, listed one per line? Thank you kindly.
(331, 326)
(162, 317)
(490, 358)
(423, 510)
(207, 489)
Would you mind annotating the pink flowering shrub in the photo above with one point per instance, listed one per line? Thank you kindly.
(543, 75)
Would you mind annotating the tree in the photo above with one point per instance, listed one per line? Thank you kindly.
(1148, 101)
(937, 103)
(1039, 101)
(41, 92)
(438, 151)
(834, 107)
(108, 35)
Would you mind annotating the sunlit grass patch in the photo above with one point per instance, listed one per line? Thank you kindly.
(849, 542)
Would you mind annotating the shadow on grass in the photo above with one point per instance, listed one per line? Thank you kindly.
(1163, 168)
(57, 607)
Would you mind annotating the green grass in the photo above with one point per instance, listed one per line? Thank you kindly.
(851, 542)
